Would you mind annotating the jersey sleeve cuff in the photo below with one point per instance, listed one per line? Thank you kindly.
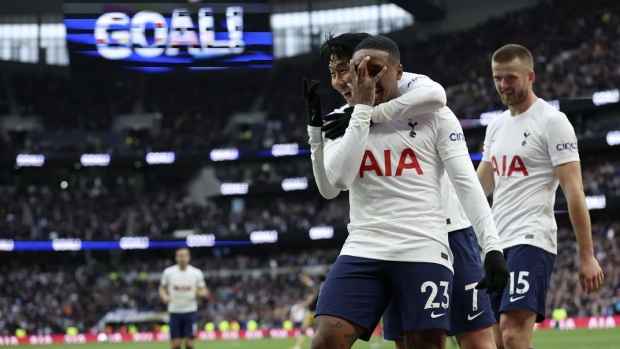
(566, 160)
(315, 134)
(455, 153)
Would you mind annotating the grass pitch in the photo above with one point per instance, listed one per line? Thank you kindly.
(548, 339)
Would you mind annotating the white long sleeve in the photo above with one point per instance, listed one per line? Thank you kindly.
(344, 155)
(420, 95)
(326, 189)
(469, 191)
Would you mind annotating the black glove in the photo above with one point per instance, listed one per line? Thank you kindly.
(313, 102)
(496, 273)
(337, 123)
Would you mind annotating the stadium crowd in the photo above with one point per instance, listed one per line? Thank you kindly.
(573, 43)
(157, 209)
(45, 298)
(48, 298)
(46, 213)
(565, 292)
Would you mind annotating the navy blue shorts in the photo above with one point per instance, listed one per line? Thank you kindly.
(182, 325)
(470, 309)
(530, 272)
(358, 290)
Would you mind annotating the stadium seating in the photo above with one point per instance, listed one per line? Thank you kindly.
(575, 57)
(47, 298)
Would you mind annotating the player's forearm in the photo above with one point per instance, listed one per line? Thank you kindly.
(163, 293)
(202, 292)
(326, 189)
(580, 219)
(469, 191)
(421, 100)
(485, 177)
(309, 300)
(343, 156)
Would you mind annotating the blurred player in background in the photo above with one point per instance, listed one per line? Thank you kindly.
(180, 286)
(309, 303)
(471, 313)
(378, 341)
(297, 313)
(392, 253)
(528, 150)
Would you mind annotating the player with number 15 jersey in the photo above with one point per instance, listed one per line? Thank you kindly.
(529, 150)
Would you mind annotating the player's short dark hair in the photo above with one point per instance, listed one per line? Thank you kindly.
(509, 52)
(182, 248)
(341, 46)
(380, 43)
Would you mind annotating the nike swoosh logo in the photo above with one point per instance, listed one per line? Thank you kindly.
(434, 316)
(469, 317)
(514, 299)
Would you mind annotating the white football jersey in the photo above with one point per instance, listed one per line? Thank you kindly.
(455, 216)
(395, 201)
(523, 151)
(298, 312)
(182, 286)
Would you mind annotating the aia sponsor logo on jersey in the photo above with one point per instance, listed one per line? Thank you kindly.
(509, 167)
(180, 288)
(407, 161)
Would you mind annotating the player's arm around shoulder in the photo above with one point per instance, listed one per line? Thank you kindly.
(420, 95)
(343, 155)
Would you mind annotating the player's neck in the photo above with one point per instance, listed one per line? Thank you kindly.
(521, 108)
(182, 267)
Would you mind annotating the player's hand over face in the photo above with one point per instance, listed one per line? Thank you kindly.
(362, 84)
(313, 102)
(590, 274)
(496, 273)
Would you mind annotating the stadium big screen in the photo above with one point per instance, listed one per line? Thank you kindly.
(170, 36)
